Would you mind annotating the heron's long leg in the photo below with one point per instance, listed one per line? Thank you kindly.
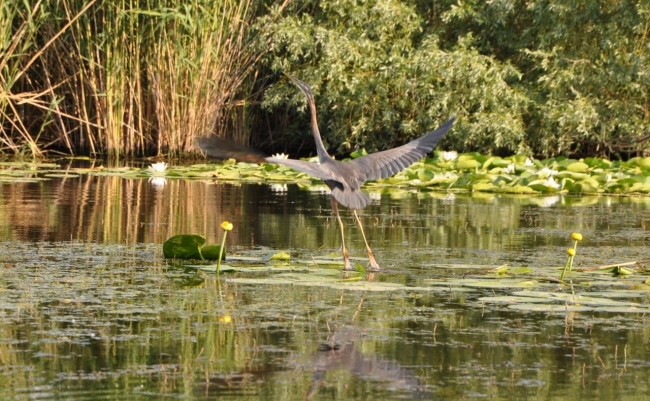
(346, 258)
(371, 258)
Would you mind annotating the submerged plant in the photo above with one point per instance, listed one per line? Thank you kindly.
(572, 253)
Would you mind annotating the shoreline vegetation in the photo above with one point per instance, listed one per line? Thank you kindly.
(136, 78)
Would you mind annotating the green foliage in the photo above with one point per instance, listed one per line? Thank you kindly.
(585, 65)
(548, 77)
(381, 83)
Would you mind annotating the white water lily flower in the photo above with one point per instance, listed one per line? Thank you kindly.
(281, 156)
(529, 162)
(546, 172)
(158, 167)
(510, 169)
(551, 183)
(449, 156)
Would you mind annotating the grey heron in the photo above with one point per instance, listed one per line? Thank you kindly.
(343, 178)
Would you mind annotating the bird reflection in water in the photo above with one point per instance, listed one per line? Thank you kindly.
(340, 352)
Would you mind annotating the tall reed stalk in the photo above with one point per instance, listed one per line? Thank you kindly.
(101, 68)
(124, 77)
(27, 101)
(198, 67)
(147, 76)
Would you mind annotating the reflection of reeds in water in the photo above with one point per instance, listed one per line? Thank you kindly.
(108, 320)
(113, 209)
(122, 318)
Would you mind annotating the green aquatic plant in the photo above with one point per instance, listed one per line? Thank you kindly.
(515, 287)
(191, 246)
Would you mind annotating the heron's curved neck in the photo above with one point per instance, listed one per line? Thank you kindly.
(320, 147)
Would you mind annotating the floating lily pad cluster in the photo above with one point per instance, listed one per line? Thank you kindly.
(447, 170)
(520, 174)
(529, 289)
(476, 172)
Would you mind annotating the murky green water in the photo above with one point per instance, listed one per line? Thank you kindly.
(89, 309)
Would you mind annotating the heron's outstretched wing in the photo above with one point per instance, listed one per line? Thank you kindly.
(222, 148)
(389, 162)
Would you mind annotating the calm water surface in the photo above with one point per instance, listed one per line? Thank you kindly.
(90, 309)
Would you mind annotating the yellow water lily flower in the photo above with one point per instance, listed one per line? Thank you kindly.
(576, 236)
(571, 252)
(226, 226)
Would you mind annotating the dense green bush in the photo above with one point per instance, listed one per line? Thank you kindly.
(380, 83)
(546, 77)
(585, 67)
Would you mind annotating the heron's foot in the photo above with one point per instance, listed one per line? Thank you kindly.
(347, 266)
(373, 269)
(346, 261)
(372, 263)
(370, 268)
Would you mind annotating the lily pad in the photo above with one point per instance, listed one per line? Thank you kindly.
(282, 255)
(466, 162)
(577, 167)
(211, 252)
(190, 246)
